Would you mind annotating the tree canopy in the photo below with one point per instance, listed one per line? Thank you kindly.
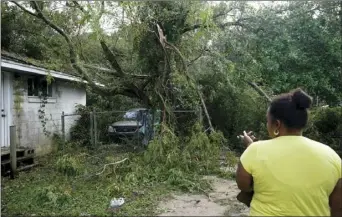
(183, 54)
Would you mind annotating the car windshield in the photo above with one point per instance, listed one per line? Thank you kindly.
(131, 115)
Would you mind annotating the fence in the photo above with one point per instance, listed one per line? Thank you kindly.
(134, 127)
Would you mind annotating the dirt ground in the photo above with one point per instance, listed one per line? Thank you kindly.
(221, 202)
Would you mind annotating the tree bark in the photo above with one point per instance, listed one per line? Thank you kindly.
(259, 90)
(189, 79)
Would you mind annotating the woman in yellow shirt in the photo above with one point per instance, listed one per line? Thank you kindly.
(290, 174)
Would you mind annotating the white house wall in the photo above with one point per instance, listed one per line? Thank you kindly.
(70, 96)
(30, 132)
(5, 106)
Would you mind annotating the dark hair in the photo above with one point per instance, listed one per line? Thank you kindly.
(291, 108)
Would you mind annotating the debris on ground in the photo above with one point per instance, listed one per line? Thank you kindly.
(116, 203)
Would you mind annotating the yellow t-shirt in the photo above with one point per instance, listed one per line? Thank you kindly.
(293, 176)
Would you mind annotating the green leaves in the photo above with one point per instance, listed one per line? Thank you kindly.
(301, 52)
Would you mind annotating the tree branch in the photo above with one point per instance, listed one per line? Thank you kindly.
(108, 53)
(102, 10)
(111, 58)
(215, 17)
(127, 89)
(199, 56)
(236, 23)
(163, 43)
(259, 90)
(222, 13)
(222, 26)
(144, 85)
(104, 168)
(109, 71)
(24, 9)
(72, 53)
(78, 6)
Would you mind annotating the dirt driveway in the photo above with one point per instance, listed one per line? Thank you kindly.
(221, 202)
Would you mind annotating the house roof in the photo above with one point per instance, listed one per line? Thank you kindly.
(11, 66)
(14, 63)
(62, 67)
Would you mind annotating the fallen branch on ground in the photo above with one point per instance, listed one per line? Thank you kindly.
(104, 167)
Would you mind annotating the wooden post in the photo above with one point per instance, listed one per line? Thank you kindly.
(13, 151)
(139, 116)
(91, 128)
(152, 124)
(95, 127)
(63, 127)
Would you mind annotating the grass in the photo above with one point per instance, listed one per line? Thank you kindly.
(46, 191)
(67, 183)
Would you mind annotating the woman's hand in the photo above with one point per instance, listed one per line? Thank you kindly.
(247, 138)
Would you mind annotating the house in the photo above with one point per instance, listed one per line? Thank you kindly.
(33, 99)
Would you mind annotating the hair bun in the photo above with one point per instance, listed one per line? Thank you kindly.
(301, 99)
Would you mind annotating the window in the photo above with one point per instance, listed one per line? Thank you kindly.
(38, 86)
(135, 115)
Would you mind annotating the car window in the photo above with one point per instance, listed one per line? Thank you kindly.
(135, 115)
(131, 115)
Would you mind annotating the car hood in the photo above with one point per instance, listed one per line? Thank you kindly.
(126, 123)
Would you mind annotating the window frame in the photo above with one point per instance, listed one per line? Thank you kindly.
(35, 97)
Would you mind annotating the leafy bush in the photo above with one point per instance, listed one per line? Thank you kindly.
(51, 196)
(202, 152)
(79, 133)
(234, 111)
(325, 126)
(69, 165)
(231, 159)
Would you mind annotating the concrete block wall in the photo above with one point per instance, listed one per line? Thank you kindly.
(65, 96)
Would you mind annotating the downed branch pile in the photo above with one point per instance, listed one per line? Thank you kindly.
(81, 181)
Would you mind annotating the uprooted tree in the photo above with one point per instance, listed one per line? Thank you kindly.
(150, 66)
(226, 48)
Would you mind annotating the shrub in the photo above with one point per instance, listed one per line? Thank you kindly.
(50, 195)
(234, 111)
(69, 165)
(325, 126)
(79, 133)
(203, 151)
